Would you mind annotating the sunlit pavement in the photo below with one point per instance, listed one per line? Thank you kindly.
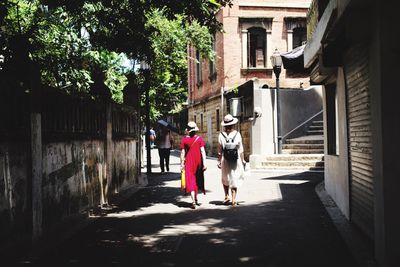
(279, 222)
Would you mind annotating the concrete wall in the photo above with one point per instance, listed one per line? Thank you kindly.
(14, 189)
(337, 166)
(126, 171)
(263, 131)
(74, 180)
(63, 162)
(297, 106)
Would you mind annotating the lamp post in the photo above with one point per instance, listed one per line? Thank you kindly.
(276, 61)
(146, 71)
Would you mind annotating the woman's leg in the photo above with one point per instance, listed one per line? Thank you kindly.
(167, 154)
(194, 198)
(226, 191)
(160, 154)
(234, 193)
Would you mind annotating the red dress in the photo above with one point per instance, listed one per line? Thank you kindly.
(193, 165)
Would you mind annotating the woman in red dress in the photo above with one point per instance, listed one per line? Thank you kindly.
(193, 160)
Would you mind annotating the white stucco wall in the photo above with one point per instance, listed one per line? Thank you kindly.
(336, 166)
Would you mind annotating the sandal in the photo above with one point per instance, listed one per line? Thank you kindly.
(234, 204)
(226, 200)
(193, 206)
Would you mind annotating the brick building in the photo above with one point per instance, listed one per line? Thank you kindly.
(252, 31)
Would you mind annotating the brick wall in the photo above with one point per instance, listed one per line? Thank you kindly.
(233, 42)
(205, 98)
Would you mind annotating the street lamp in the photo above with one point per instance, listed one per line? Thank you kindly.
(276, 61)
(145, 67)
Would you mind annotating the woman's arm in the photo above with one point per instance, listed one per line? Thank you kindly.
(203, 155)
(182, 159)
(241, 150)
(219, 155)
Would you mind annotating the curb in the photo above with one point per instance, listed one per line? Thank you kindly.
(360, 247)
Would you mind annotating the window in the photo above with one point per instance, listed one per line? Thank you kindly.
(299, 36)
(195, 118)
(198, 69)
(201, 122)
(332, 119)
(217, 119)
(256, 48)
(296, 32)
(212, 68)
(255, 42)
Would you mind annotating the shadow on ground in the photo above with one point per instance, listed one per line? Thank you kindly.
(147, 231)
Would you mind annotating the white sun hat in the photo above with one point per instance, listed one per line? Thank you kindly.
(229, 120)
(192, 127)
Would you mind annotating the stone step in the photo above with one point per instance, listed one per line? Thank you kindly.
(317, 132)
(295, 157)
(316, 127)
(301, 168)
(313, 162)
(303, 146)
(303, 151)
(304, 141)
(318, 122)
(303, 163)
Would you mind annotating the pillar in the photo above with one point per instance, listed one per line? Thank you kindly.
(244, 49)
(269, 49)
(289, 40)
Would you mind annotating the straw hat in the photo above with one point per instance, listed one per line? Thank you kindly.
(229, 120)
(192, 127)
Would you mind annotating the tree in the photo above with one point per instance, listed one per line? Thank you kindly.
(169, 42)
(59, 45)
(71, 41)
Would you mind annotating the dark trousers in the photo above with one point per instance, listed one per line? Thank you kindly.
(164, 156)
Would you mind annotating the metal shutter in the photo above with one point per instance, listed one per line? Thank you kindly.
(360, 142)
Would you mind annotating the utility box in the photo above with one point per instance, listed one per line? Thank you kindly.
(235, 106)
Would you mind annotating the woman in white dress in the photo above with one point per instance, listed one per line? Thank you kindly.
(232, 170)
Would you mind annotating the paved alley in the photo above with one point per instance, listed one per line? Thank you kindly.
(279, 222)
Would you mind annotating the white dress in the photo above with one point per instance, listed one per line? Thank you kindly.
(232, 173)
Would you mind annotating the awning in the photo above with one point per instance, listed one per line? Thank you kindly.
(294, 59)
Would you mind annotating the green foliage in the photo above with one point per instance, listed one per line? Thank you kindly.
(169, 42)
(71, 41)
(59, 42)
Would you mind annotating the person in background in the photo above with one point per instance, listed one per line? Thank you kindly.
(152, 137)
(164, 146)
(193, 161)
(232, 170)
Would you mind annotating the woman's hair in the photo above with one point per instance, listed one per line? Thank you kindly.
(192, 133)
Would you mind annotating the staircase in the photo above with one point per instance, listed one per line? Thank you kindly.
(301, 153)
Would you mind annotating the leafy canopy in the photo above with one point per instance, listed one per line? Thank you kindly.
(70, 42)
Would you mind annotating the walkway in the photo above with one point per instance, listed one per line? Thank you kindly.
(280, 222)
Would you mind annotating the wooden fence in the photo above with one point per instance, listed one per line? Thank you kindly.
(65, 117)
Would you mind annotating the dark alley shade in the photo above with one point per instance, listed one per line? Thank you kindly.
(294, 59)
